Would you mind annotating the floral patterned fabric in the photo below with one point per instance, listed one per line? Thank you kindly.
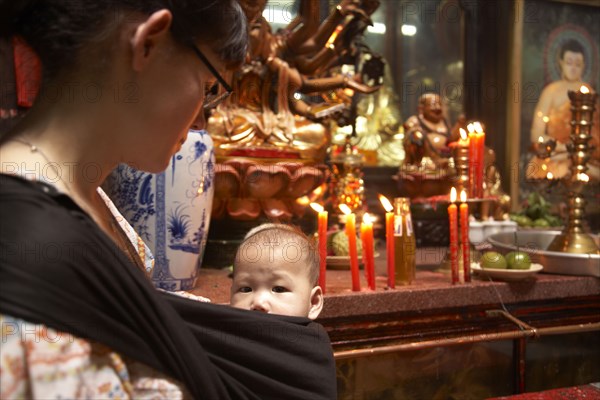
(40, 362)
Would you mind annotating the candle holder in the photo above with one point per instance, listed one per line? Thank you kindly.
(460, 154)
(573, 239)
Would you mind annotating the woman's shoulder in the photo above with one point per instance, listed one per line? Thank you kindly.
(24, 203)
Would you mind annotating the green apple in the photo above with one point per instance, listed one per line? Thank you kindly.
(541, 223)
(492, 260)
(518, 260)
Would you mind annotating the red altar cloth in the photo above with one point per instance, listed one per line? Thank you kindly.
(590, 392)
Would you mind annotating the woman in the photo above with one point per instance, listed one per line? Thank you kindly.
(123, 81)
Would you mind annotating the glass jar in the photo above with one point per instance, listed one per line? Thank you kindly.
(405, 244)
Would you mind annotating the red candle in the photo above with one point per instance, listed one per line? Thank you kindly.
(480, 158)
(322, 232)
(464, 232)
(389, 240)
(351, 234)
(366, 236)
(452, 215)
(473, 163)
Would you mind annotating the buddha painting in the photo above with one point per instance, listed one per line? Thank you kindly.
(551, 126)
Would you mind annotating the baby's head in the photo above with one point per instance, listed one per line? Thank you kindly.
(276, 270)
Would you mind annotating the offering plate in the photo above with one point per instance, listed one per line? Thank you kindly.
(536, 242)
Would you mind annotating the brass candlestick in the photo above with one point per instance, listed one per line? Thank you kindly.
(573, 239)
(461, 164)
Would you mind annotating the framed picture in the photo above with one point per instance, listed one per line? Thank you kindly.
(556, 49)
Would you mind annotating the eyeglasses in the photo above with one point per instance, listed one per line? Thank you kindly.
(212, 98)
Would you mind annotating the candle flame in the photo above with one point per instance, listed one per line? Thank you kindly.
(385, 203)
(583, 177)
(544, 167)
(545, 119)
(470, 128)
(367, 219)
(463, 196)
(463, 134)
(317, 207)
(541, 139)
(549, 176)
(478, 127)
(345, 209)
(453, 195)
(584, 89)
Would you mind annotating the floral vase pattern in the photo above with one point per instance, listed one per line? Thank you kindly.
(171, 210)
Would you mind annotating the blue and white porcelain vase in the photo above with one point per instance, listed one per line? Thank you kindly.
(171, 210)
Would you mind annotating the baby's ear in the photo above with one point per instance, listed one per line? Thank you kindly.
(316, 302)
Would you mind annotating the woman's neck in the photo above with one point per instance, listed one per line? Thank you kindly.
(61, 146)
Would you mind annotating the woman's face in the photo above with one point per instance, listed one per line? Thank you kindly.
(171, 100)
(572, 65)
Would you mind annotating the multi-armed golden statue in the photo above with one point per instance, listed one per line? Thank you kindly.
(267, 115)
(267, 128)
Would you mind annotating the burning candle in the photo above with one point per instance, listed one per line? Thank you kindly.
(473, 162)
(452, 215)
(366, 236)
(389, 240)
(322, 232)
(464, 231)
(480, 147)
(464, 138)
(351, 234)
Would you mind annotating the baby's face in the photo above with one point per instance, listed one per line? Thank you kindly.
(272, 282)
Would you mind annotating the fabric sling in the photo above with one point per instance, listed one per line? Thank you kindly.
(59, 269)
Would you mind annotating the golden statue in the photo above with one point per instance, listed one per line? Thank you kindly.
(429, 168)
(427, 135)
(378, 127)
(267, 115)
(269, 141)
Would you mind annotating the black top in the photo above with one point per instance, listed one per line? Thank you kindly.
(59, 269)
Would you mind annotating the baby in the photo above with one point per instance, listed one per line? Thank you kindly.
(276, 270)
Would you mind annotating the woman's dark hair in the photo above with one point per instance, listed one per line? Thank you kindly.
(58, 29)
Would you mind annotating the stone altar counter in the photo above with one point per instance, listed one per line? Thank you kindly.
(500, 335)
(430, 291)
